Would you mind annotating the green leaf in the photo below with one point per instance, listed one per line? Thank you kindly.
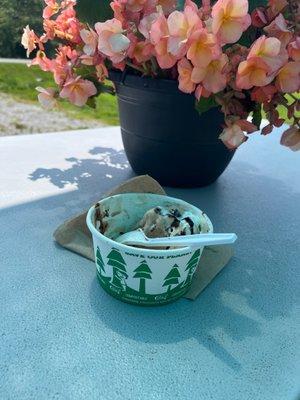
(257, 117)
(204, 104)
(107, 89)
(257, 3)
(91, 102)
(252, 33)
(249, 36)
(92, 11)
(84, 71)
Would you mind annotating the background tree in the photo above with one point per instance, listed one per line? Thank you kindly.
(143, 272)
(118, 263)
(172, 278)
(14, 16)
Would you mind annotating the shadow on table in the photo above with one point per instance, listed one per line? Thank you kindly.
(88, 172)
(253, 289)
(259, 284)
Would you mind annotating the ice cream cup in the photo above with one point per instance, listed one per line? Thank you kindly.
(146, 277)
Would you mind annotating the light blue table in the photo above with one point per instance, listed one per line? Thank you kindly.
(62, 337)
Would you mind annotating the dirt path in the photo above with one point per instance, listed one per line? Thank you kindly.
(17, 118)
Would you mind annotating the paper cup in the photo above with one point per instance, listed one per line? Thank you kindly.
(144, 277)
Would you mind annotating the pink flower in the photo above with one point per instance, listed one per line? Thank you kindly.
(146, 23)
(90, 40)
(135, 5)
(288, 78)
(91, 60)
(181, 25)
(142, 51)
(185, 69)
(68, 3)
(68, 27)
(294, 49)
(206, 6)
(265, 58)
(212, 76)
(42, 61)
(233, 135)
(230, 19)
(101, 72)
(159, 35)
(46, 97)
(51, 9)
(112, 42)
(263, 94)
(121, 65)
(124, 11)
(270, 50)
(265, 47)
(275, 7)
(168, 6)
(258, 18)
(49, 27)
(253, 72)
(164, 58)
(29, 40)
(87, 60)
(203, 48)
(118, 9)
(63, 63)
(61, 73)
(279, 29)
(201, 92)
(291, 138)
(78, 90)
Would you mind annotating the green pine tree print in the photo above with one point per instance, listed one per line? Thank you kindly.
(118, 263)
(191, 266)
(100, 261)
(143, 272)
(172, 278)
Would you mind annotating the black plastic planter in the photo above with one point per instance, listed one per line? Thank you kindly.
(165, 137)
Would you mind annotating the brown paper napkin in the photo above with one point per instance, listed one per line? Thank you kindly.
(75, 236)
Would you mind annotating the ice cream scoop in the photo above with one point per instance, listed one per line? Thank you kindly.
(162, 222)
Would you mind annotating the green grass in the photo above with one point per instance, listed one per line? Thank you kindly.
(20, 82)
(283, 111)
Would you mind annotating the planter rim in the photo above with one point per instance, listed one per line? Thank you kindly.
(145, 82)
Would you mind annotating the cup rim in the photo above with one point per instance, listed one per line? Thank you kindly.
(94, 231)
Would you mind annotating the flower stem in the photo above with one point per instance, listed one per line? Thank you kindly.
(135, 67)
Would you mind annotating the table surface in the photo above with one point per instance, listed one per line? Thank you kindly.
(63, 337)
